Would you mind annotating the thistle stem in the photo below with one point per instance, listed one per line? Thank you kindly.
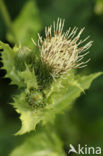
(7, 19)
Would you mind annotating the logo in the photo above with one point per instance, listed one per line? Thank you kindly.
(84, 150)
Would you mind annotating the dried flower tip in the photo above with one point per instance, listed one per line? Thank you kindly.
(62, 51)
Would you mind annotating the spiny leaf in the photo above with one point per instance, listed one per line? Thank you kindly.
(8, 59)
(29, 77)
(16, 62)
(72, 88)
(59, 98)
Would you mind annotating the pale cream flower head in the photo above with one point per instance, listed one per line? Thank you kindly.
(63, 51)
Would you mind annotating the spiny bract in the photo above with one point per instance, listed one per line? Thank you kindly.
(62, 51)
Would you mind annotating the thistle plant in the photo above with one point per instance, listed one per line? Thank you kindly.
(50, 67)
(45, 76)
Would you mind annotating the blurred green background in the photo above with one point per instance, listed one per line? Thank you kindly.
(84, 122)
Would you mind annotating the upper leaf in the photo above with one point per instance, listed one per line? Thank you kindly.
(58, 98)
(15, 63)
(8, 59)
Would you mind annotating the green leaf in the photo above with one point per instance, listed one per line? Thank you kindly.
(27, 24)
(29, 77)
(16, 63)
(62, 94)
(40, 144)
(69, 89)
(8, 59)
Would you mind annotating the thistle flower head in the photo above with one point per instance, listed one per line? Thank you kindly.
(63, 51)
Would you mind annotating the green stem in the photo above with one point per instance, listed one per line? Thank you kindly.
(7, 19)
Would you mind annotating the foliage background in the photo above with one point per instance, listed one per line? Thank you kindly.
(83, 123)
